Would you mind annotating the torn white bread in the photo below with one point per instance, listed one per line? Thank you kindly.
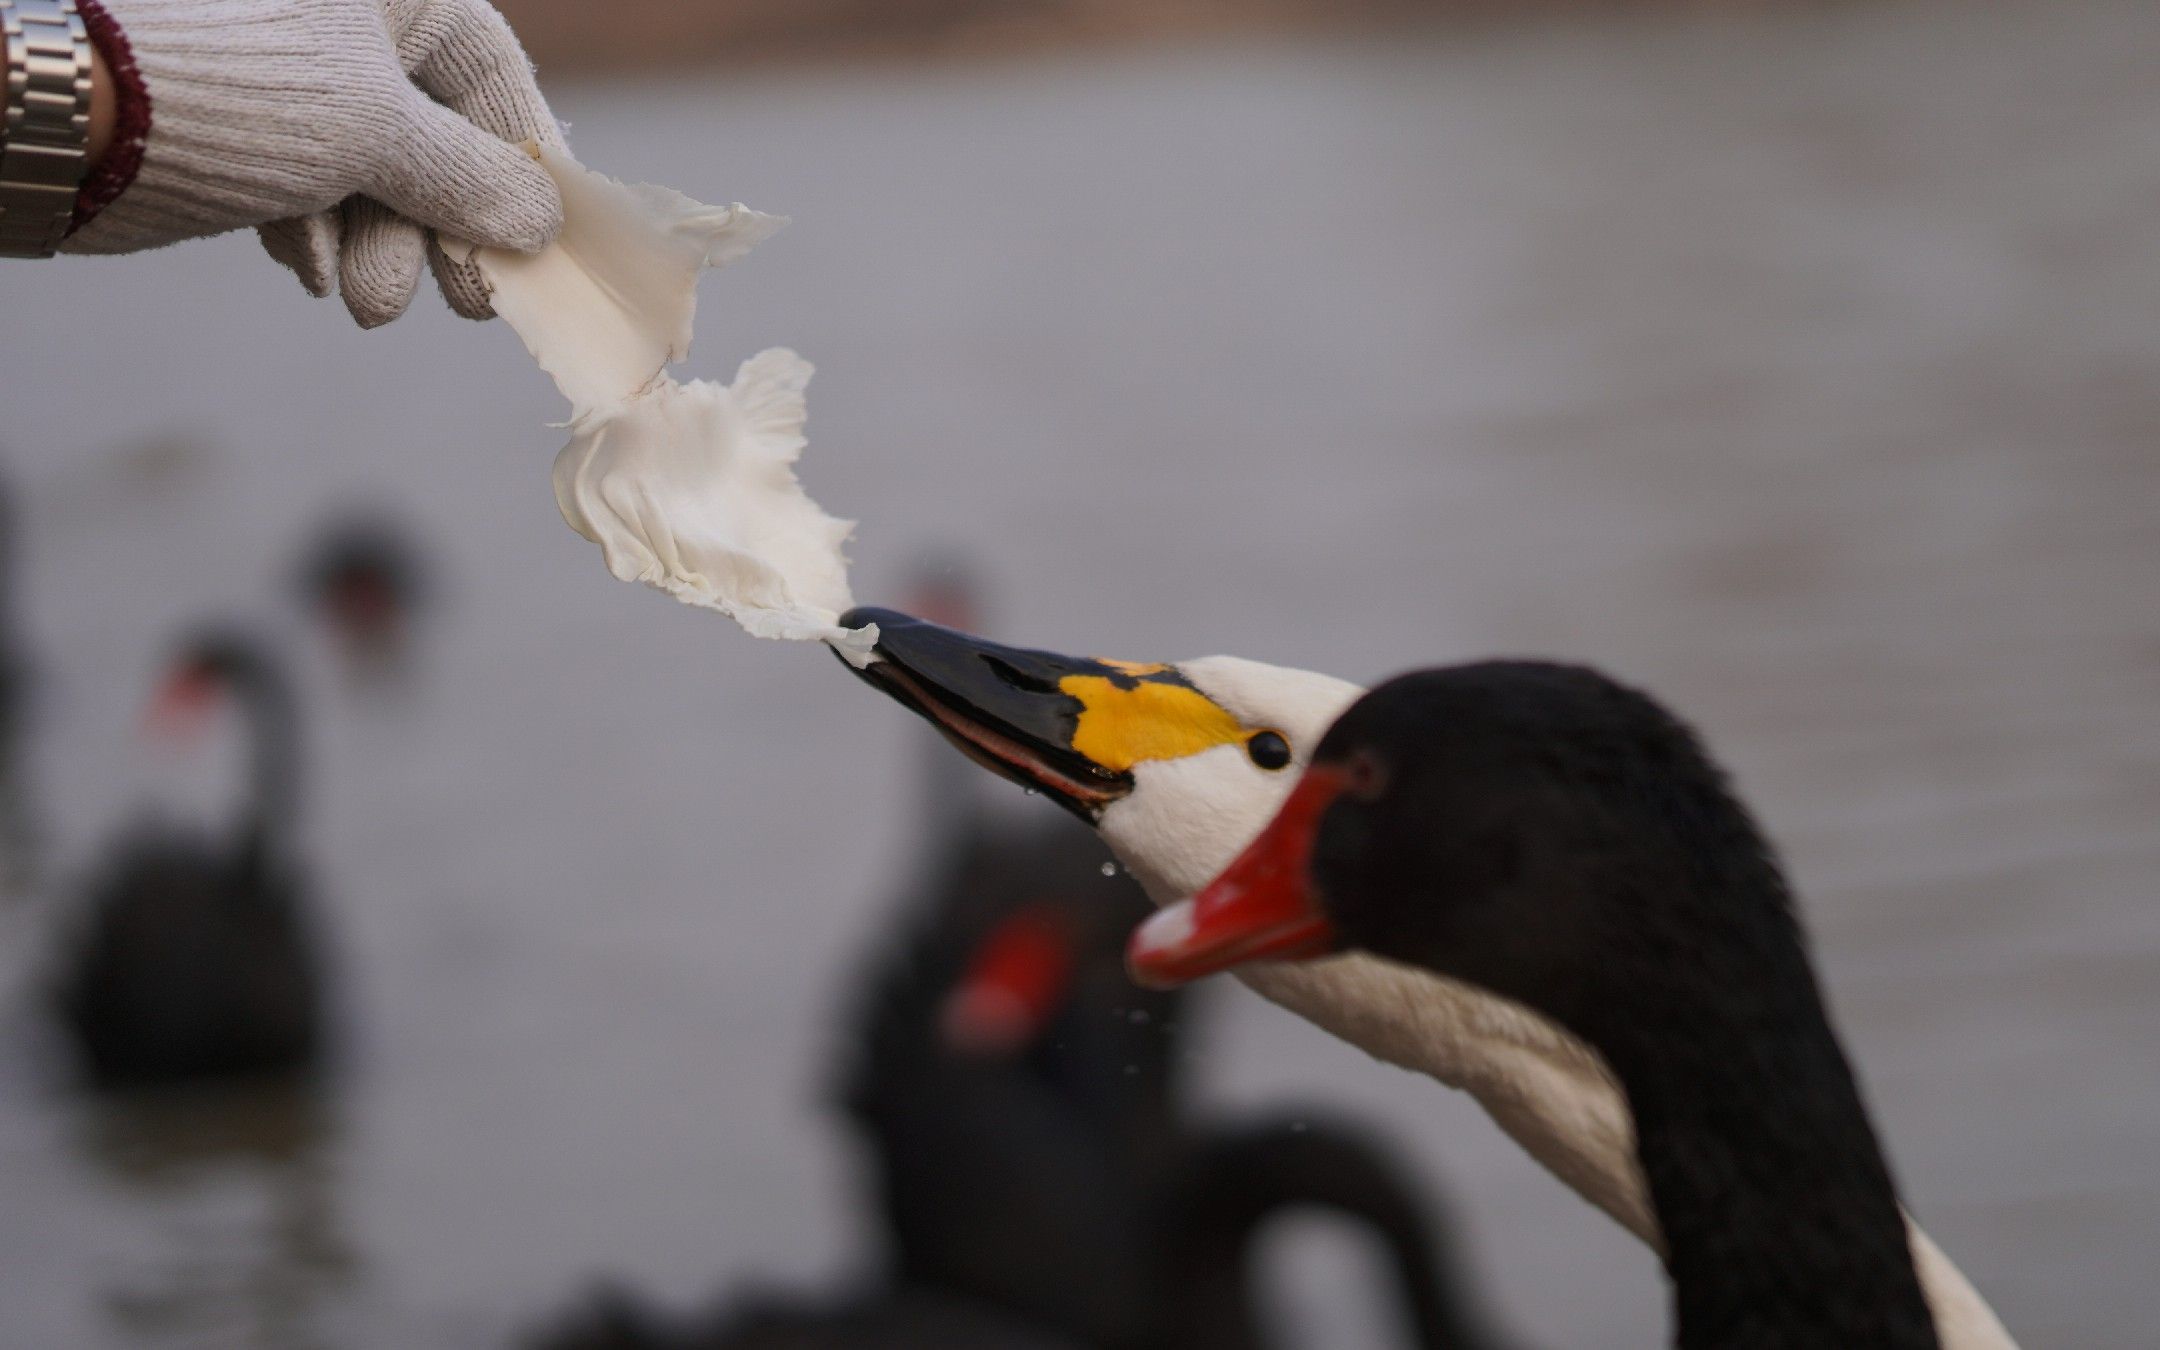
(689, 488)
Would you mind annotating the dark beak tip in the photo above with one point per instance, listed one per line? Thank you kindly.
(862, 616)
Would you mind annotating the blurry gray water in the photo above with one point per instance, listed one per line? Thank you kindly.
(1805, 367)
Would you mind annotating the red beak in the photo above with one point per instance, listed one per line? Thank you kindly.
(1262, 908)
(1013, 987)
(182, 704)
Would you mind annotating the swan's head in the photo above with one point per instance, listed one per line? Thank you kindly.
(1539, 830)
(1176, 764)
(203, 671)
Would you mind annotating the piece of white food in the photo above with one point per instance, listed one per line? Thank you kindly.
(689, 488)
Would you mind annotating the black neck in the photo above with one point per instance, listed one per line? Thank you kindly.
(1242, 1180)
(1781, 1222)
(273, 722)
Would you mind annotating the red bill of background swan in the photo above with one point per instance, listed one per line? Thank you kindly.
(1178, 766)
(687, 487)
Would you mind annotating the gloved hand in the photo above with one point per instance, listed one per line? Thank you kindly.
(348, 131)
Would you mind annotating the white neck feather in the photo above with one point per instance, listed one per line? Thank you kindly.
(1549, 1092)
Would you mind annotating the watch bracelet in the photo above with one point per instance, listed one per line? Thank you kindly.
(44, 148)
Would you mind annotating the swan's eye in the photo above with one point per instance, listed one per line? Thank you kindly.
(1269, 750)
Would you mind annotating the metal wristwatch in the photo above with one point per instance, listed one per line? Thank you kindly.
(45, 146)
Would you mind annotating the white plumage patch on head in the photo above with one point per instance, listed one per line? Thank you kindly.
(1186, 818)
(1301, 704)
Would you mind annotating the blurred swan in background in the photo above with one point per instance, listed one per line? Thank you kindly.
(196, 957)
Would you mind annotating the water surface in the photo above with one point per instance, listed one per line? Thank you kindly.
(1803, 367)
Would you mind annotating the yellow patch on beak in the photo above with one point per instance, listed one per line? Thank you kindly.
(1132, 668)
(1121, 726)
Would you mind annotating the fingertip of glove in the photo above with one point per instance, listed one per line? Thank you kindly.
(463, 288)
(375, 300)
(381, 265)
(464, 182)
(308, 248)
(533, 220)
(479, 311)
(531, 238)
(369, 315)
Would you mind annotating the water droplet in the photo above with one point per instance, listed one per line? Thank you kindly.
(1029, 791)
(1138, 1017)
(1109, 869)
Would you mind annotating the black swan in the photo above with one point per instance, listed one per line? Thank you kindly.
(196, 957)
(1548, 834)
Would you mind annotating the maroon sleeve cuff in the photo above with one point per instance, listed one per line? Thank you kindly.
(131, 121)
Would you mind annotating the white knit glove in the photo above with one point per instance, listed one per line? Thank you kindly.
(348, 131)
